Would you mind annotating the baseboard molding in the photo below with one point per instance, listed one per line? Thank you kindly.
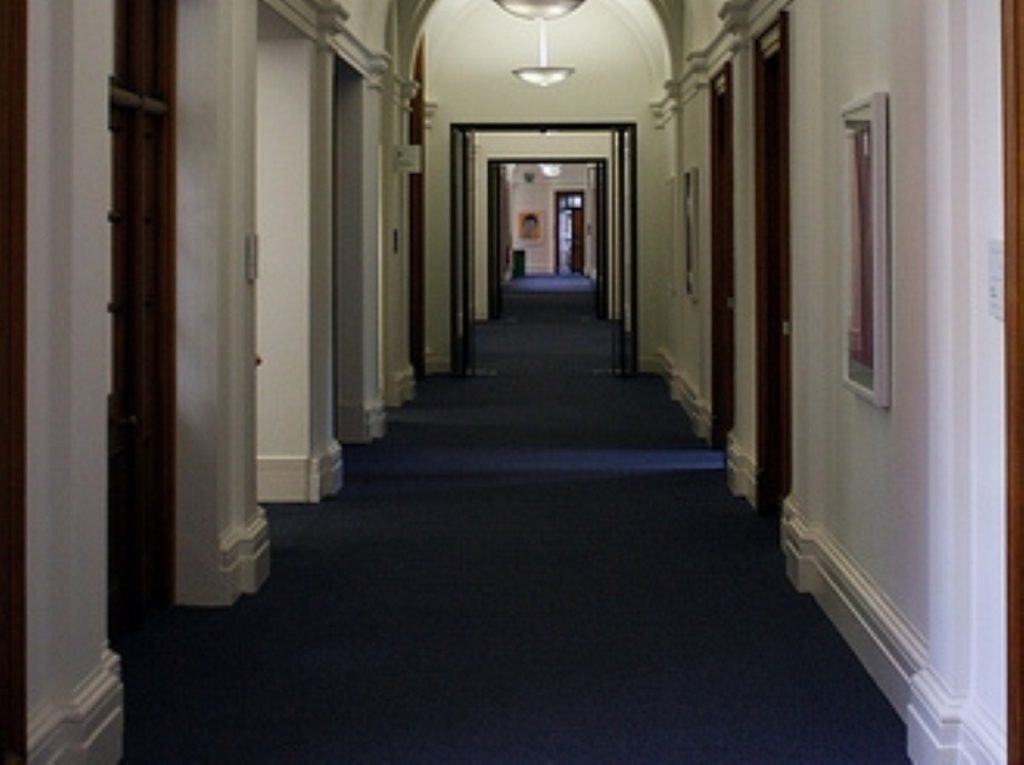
(245, 555)
(741, 472)
(85, 727)
(944, 729)
(941, 729)
(696, 408)
(362, 422)
(299, 479)
(658, 364)
(437, 364)
(403, 387)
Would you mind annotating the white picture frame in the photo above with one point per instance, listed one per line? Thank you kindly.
(866, 266)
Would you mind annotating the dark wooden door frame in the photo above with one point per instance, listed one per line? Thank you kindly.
(1013, 97)
(417, 225)
(723, 394)
(13, 172)
(559, 195)
(143, 409)
(774, 383)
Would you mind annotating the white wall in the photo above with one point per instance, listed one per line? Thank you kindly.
(222, 539)
(74, 689)
(621, 68)
(283, 214)
(299, 460)
(895, 517)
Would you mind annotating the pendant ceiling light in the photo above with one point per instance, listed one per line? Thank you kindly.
(540, 9)
(543, 76)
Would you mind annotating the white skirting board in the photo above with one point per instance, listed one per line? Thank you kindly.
(742, 472)
(403, 387)
(362, 422)
(941, 729)
(300, 479)
(245, 556)
(85, 727)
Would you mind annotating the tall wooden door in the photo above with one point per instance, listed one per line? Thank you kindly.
(570, 231)
(1013, 93)
(417, 227)
(723, 301)
(141, 405)
(774, 383)
(13, 74)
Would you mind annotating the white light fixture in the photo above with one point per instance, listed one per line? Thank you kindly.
(540, 9)
(543, 76)
(549, 170)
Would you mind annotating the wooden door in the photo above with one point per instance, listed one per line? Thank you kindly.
(773, 269)
(495, 238)
(141, 405)
(417, 227)
(723, 301)
(576, 259)
(13, 75)
(1013, 90)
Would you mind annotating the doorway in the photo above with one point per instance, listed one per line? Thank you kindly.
(570, 234)
(13, 127)
(723, 301)
(774, 405)
(1013, 96)
(417, 225)
(141, 402)
(615, 214)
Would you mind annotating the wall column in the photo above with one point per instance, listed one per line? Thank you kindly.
(361, 416)
(222, 540)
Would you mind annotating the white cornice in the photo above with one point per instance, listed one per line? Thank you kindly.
(665, 109)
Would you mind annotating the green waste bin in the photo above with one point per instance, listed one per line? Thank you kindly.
(518, 263)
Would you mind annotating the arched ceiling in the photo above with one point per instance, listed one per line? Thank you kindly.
(654, 24)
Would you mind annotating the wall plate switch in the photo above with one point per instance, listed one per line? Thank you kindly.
(997, 279)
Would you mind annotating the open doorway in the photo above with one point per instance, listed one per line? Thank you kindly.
(13, 120)
(586, 228)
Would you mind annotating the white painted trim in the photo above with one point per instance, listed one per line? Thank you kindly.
(437, 364)
(403, 386)
(942, 729)
(326, 473)
(283, 479)
(245, 555)
(697, 409)
(658, 364)
(742, 472)
(886, 642)
(86, 727)
(362, 422)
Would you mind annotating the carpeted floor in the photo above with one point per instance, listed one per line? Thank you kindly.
(542, 566)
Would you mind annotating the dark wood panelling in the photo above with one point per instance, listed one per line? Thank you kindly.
(1013, 88)
(13, 121)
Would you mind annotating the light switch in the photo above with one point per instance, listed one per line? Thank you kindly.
(996, 279)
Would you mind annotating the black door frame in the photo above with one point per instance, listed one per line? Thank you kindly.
(13, 175)
(774, 368)
(461, 298)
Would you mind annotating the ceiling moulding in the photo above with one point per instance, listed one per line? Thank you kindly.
(745, 19)
(667, 108)
(330, 20)
(307, 16)
(405, 92)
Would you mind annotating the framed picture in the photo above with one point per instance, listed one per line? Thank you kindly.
(691, 231)
(866, 267)
(530, 228)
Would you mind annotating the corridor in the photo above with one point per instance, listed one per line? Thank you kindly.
(537, 564)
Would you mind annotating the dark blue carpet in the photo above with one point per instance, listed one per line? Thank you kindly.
(542, 566)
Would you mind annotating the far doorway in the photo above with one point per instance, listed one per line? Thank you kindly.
(570, 232)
